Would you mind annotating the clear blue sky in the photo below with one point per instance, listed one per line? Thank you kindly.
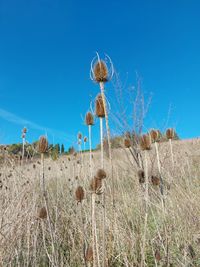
(45, 51)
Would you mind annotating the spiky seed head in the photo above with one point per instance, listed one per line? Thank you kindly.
(89, 119)
(141, 176)
(89, 254)
(79, 193)
(100, 112)
(127, 142)
(43, 144)
(85, 139)
(101, 174)
(100, 71)
(170, 133)
(157, 255)
(155, 180)
(96, 185)
(145, 142)
(42, 213)
(79, 136)
(24, 130)
(154, 135)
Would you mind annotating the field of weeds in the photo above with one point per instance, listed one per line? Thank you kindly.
(54, 213)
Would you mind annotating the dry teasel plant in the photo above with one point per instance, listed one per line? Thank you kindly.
(154, 134)
(170, 133)
(80, 194)
(42, 213)
(145, 145)
(89, 254)
(127, 142)
(155, 180)
(102, 71)
(101, 174)
(42, 149)
(145, 142)
(141, 176)
(43, 145)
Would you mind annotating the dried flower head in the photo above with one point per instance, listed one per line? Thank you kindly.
(89, 119)
(101, 70)
(154, 135)
(42, 213)
(157, 255)
(85, 139)
(127, 142)
(43, 144)
(145, 142)
(24, 130)
(79, 136)
(100, 112)
(141, 176)
(155, 180)
(170, 133)
(89, 254)
(101, 174)
(96, 185)
(79, 193)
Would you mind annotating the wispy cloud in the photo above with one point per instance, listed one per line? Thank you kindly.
(13, 118)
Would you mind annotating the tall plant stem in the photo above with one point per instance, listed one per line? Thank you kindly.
(93, 230)
(146, 211)
(90, 145)
(101, 137)
(109, 139)
(23, 146)
(47, 208)
(159, 169)
(171, 151)
(103, 197)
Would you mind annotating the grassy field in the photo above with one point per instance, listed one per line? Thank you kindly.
(57, 230)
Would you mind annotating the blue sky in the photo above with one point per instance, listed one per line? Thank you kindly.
(46, 48)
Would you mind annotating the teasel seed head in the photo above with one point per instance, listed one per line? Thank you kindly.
(89, 254)
(145, 142)
(100, 112)
(89, 119)
(79, 136)
(170, 133)
(141, 176)
(96, 185)
(43, 144)
(80, 194)
(127, 142)
(42, 213)
(155, 180)
(101, 174)
(24, 130)
(85, 139)
(101, 70)
(155, 135)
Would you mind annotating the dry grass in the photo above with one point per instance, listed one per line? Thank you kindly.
(173, 235)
